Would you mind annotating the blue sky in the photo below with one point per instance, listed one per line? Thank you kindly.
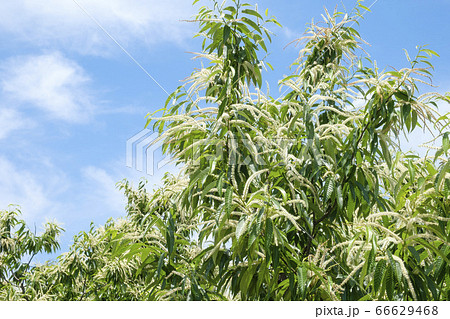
(70, 98)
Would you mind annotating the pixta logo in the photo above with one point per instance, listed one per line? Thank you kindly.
(143, 153)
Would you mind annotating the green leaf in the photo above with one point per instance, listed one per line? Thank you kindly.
(220, 184)
(170, 235)
(246, 283)
(395, 267)
(414, 253)
(389, 282)
(207, 188)
(253, 13)
(268, 234)
(302, 278)
(240, 228)
(378, 275)
(350, 206)
(144, 254)
(432, 248)
(430, 52)
(398, 272)
(253, 25)
(226, 34)
(370, 260)
(228, 199)
(433, 288)
(446, 141)
(160, 264)
(414, 120)
(293, 121)
(329, 188)
(440, 176)
(359, 158)
(363, 7)
(406, 109)
(254, 231)
(275, 257)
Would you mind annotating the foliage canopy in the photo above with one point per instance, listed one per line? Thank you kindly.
(303, 197)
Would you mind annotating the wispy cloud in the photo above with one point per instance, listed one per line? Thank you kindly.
(11, 120)
(61, 23)
(100, 190)
(30, 190)
(290, 34)
(52, 83)
(98, 185)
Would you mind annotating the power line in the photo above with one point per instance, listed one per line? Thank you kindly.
(120, 46)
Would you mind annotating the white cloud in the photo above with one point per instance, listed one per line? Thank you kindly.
(291, 35)
(62, 22)
(43, 192)
(33, 193)
(11, 120)
(51, 83)
(98, 187)
(100, 191)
